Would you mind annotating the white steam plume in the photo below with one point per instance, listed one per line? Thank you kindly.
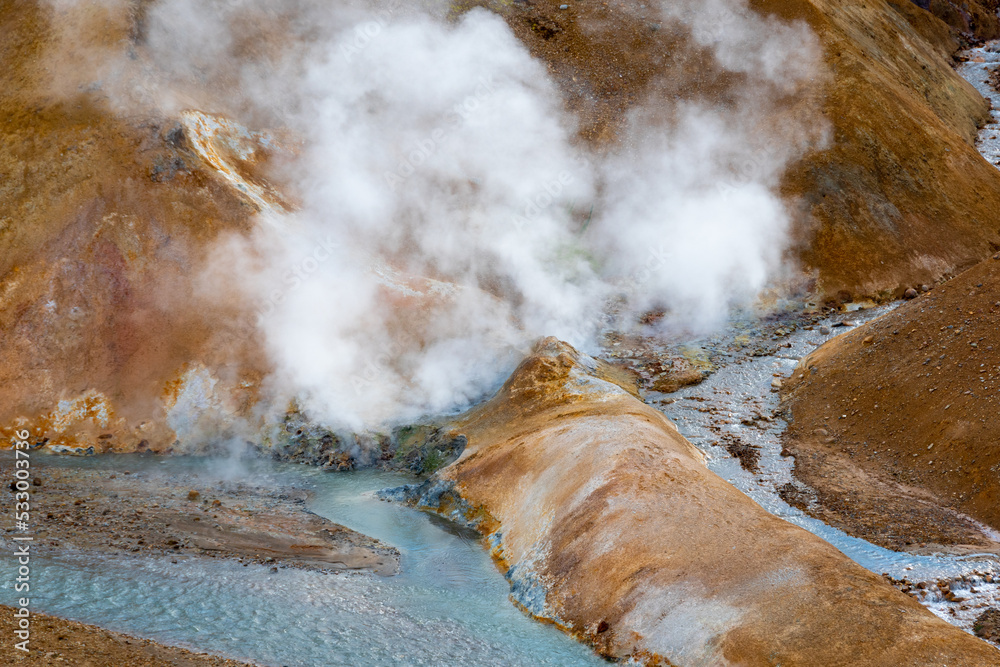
(447, 216)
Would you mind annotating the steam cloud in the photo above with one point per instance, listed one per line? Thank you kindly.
(447, 214)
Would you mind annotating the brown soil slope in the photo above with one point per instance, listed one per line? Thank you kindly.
(978, 17)
(900, 197)
(102, 221)
(904, 412)
(612, 526)
(56, 641)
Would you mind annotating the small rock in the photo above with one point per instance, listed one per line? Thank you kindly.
(910, 294)
(868, 340)
(825, 331)
(193, 495)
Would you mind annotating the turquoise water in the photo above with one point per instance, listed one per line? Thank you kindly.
(448, 606)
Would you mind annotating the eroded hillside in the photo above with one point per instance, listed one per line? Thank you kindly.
(609, 524)
(108, 215)
(104, 218)
(900, 197)
(900, 416)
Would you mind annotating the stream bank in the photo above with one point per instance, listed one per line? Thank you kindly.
(735, 418)
(447, 604)
(57, 641)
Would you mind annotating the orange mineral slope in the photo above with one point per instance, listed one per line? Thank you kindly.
(108, 223)
(610, 525)
(104, 220)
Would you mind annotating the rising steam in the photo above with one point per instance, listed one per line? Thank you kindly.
(445, 212)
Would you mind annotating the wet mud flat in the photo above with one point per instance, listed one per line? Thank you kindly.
(102, 510)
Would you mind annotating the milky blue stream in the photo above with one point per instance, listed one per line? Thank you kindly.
(448, 606)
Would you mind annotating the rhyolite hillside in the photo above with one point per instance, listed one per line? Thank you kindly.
(103, 219)
(106, 215)
(606, 519)
(899, 197)
(609, 524)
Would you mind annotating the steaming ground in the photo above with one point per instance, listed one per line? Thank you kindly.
(440, 210)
